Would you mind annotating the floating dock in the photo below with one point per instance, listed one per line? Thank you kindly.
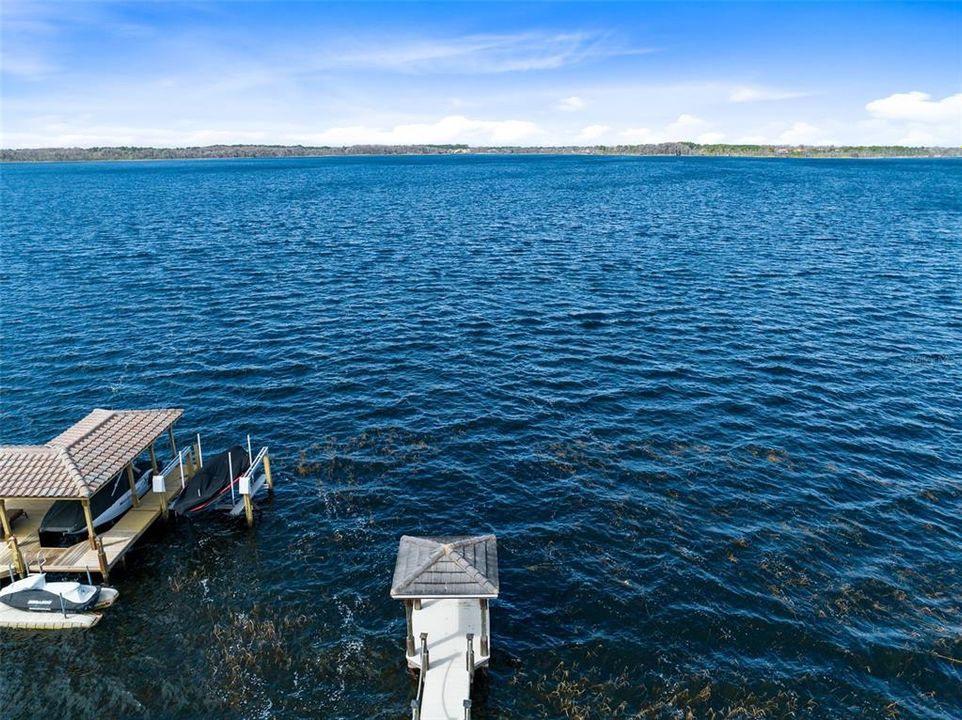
(14, 619)
(446, 584)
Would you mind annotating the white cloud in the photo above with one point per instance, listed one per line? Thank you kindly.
(747, 93)
(917, 107)
(685, 127)
(63, 134)
(592, 132)
(571, 104)
(710, 138)
(914, 118)
(801, 133)
(451, 129)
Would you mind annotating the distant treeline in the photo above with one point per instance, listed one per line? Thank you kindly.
(279, 151)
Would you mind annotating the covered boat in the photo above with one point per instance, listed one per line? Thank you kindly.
(64, 524)
(35, 594)
(213, 482)
(35, 604)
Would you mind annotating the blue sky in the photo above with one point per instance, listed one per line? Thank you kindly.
(168, 74)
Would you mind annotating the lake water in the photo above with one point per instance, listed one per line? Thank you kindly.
(710, 407)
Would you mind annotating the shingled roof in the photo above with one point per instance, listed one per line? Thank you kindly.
(432, 567)
(78, 461)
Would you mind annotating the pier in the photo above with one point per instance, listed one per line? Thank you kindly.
(73, 466)
(446, 584)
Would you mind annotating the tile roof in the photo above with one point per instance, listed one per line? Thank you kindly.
(81, 459)
(462, 566)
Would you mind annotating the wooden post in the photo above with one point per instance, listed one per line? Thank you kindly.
(134, 497)
(153, 459)
(17, 556)
(161, 492)
(267, 473)
(88, 516)
(102, 559)
(196, 453)
(249, 510)
(409, 618)
(485, 649)
(173, 443)
(7, 530)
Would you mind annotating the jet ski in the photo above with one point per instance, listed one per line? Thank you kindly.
(64, 524)
(209, 485)
(35, 594)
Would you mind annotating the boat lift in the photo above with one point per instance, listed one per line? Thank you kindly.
(256, 478)
(446, 584)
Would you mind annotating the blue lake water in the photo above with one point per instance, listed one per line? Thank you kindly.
(712, 408)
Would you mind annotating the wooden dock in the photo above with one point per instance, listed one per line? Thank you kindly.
(81, 557)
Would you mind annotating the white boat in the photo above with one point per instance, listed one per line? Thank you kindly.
(35, 604)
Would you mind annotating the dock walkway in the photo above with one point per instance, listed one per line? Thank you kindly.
(447, 683)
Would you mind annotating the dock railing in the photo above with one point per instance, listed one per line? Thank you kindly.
(175, 468)
(470, 659)
(416, 702)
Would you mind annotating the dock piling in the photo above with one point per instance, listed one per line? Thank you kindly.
(132, 481)
(89, 518)
(7, 530)
(18, 560)
(244, 485)
(102, 559)
(408, 616)
(160, 489)
(485, 650)
(267, 474)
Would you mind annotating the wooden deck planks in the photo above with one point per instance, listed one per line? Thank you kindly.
(81, 557)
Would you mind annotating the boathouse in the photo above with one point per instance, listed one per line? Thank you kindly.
(72, 467)
(446, 584)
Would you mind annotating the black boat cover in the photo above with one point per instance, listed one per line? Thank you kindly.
(64, 524)
(212, 481)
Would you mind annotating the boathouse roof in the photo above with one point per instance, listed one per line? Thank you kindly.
(82, 458)
(458, 566)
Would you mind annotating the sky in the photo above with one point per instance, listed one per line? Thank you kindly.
(170, 74)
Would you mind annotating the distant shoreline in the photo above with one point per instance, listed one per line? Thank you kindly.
(675, 149)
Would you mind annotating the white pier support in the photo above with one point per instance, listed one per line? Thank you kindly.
(447, 684)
